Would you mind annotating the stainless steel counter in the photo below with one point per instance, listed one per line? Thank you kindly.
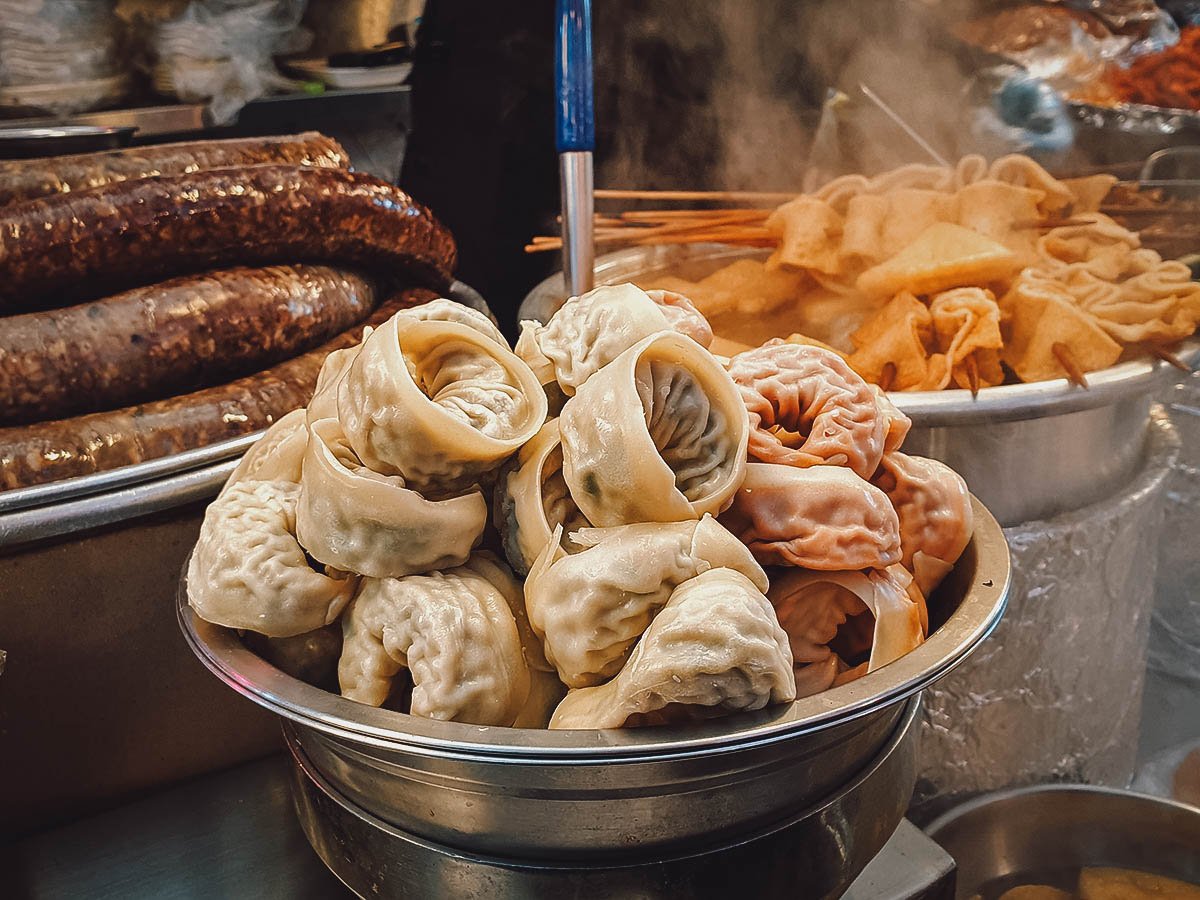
(229, 835)
(233, 835)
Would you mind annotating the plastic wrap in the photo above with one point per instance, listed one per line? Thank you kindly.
(1055, 693)
(220, 52)
(1175, 631)
(57, 41)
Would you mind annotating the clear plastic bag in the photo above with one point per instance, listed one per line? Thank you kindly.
(221, 52)
(58, 42)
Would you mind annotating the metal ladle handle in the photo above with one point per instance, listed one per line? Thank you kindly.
(576, 140)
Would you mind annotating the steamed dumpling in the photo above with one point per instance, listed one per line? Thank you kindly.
(591, 607)
(824, 517)
(590, 331)
(455, 633)
(324, 400)
(714, 649)
(934, 509)
(813, 606)
(359, 521)
(532, 500)
(248, 570)
(437, 402)
(657, 435)
(443, 310)
(276, 456)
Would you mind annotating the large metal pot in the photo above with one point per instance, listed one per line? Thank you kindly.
(1028, 451)
(1045, 834)
(812, 853)
(597, 797)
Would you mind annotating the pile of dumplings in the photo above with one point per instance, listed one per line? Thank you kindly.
(697, 536)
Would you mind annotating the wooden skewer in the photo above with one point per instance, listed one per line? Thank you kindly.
(1166, 355)
(723, 196)
(1049, 223)
(888, 376)
(1067, 360)
(639, 215)
(973, 374)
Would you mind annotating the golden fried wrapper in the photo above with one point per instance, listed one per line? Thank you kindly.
(1128, 884)
(810, 236)
(900, 335)
(879, 226)
(1089, 191)
(1004, 213)
(942, 257)
(744, 286)
(1039, 315)
(966, 324)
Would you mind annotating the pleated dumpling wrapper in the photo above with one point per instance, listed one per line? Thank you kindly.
(657, 435)
(813, 606)
(715, 648)
(360, 521)
(824, 517)
(590, 608)
(934, 509)
(532, 499)
(807, 407)
(456, 634)
(323, 404)
(248, 570)
(276, 456)
(591, 330)
(438, 402)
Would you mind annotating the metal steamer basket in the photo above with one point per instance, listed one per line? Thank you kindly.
(800, 796)
(1028, 451)
(89, 567)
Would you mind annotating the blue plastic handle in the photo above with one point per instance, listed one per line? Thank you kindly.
(574, 115)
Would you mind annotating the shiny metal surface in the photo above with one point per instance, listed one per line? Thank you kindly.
(575, 184)
(1045, 834)
(1028, 451)
(56, 140)
(814, 850)
(496, 790)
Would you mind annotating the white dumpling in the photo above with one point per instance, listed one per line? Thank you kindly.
(532, 500)
(714, 649)
(657, 435)
(276, 456)
(682, 316)
(813, 606)
(437, 402)
(324, 400)
(590, 331)
(591, 607)
(360, 521)
(822, 517)
(455, 634)
(545, 693)
(443, 310)
(934, 509)
(248, 571)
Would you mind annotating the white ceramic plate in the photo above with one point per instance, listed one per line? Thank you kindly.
(357, 77)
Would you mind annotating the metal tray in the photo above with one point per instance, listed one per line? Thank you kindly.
(1028, 451)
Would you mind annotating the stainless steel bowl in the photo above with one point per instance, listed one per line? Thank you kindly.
(1028, 451)
(814, 852)
(612, 793)
(1044, 835)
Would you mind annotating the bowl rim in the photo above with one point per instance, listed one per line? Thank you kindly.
(953, 815)
(977, 614)
(992, 405)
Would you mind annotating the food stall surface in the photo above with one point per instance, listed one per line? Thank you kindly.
(233, 834)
